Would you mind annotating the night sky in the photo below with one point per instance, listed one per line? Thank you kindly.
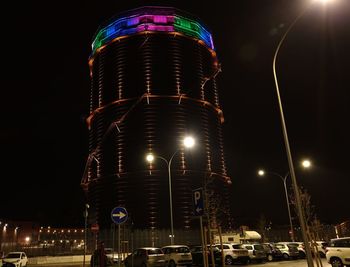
(45, 87)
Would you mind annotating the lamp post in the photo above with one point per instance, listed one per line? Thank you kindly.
(305, 164)
(188, 142)
(286, 141)
(284, 179)
(85, 230)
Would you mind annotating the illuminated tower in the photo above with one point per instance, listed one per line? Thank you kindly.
(153, 73)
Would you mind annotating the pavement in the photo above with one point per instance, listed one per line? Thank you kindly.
(289, 263)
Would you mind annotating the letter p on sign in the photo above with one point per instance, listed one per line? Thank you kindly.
(198, 205)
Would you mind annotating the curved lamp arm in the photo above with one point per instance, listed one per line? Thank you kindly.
(287, 147)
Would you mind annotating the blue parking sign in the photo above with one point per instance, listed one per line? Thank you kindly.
(198, 202)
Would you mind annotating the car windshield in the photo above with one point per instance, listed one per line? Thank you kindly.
(258, 247)
(267, 247)
(196, 249)
(294, 244)
(13, 255)
(238, 246)
(182, 250)
(154, 251)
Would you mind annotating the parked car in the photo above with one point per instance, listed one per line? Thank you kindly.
(15, 259)
(272, 252)
(112, 254)
(197, 255)
(338, 252)
(145, 257)
(177, 255)
(301, 248)
(321, 248)
(289, 251)
(234, 253)
(256, 252)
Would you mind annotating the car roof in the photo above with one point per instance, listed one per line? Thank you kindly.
(341, 238)
(289, 242)
(148, 248)
(175, 246)
(226, 243)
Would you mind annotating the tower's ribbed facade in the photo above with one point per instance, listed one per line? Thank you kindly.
(153, 75)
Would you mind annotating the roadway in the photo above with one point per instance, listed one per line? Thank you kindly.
(290, 263)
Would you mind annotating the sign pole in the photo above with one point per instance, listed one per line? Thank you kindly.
(113, 240)
(203, 245)
(205, 259)
(119, 215)
(198, 210)
(119, 245)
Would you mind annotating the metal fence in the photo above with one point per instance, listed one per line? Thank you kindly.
(129, 240)
(132, 239)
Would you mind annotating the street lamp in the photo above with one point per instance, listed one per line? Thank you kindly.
(85, 230)
(286, 141)
(188, 142)
(284, 179)
(305, 164)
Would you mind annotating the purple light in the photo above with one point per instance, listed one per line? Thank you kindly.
(132, 21)
(160, 19)
(160, 28)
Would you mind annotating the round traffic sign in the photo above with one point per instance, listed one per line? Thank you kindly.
(95, 228)
(119, 215)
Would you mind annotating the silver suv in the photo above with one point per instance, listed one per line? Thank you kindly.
(256, 252)
(177, 255)
(145, 256)
(338, 252)
(321, 247)
(234, 253)
(15, 259)
(111, 254)
(288, 249)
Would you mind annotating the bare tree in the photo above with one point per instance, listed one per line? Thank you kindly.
(307, 208)
(313, 225)
(261, 226)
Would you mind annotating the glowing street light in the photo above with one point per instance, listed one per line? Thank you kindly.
(306, 163)
(188, 142)
(261, 172)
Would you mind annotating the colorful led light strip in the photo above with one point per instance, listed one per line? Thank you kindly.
(153, 19)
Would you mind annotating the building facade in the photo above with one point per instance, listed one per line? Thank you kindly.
(153, 81)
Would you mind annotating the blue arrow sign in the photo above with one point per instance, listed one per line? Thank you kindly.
(119, 215)
(198, 203)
